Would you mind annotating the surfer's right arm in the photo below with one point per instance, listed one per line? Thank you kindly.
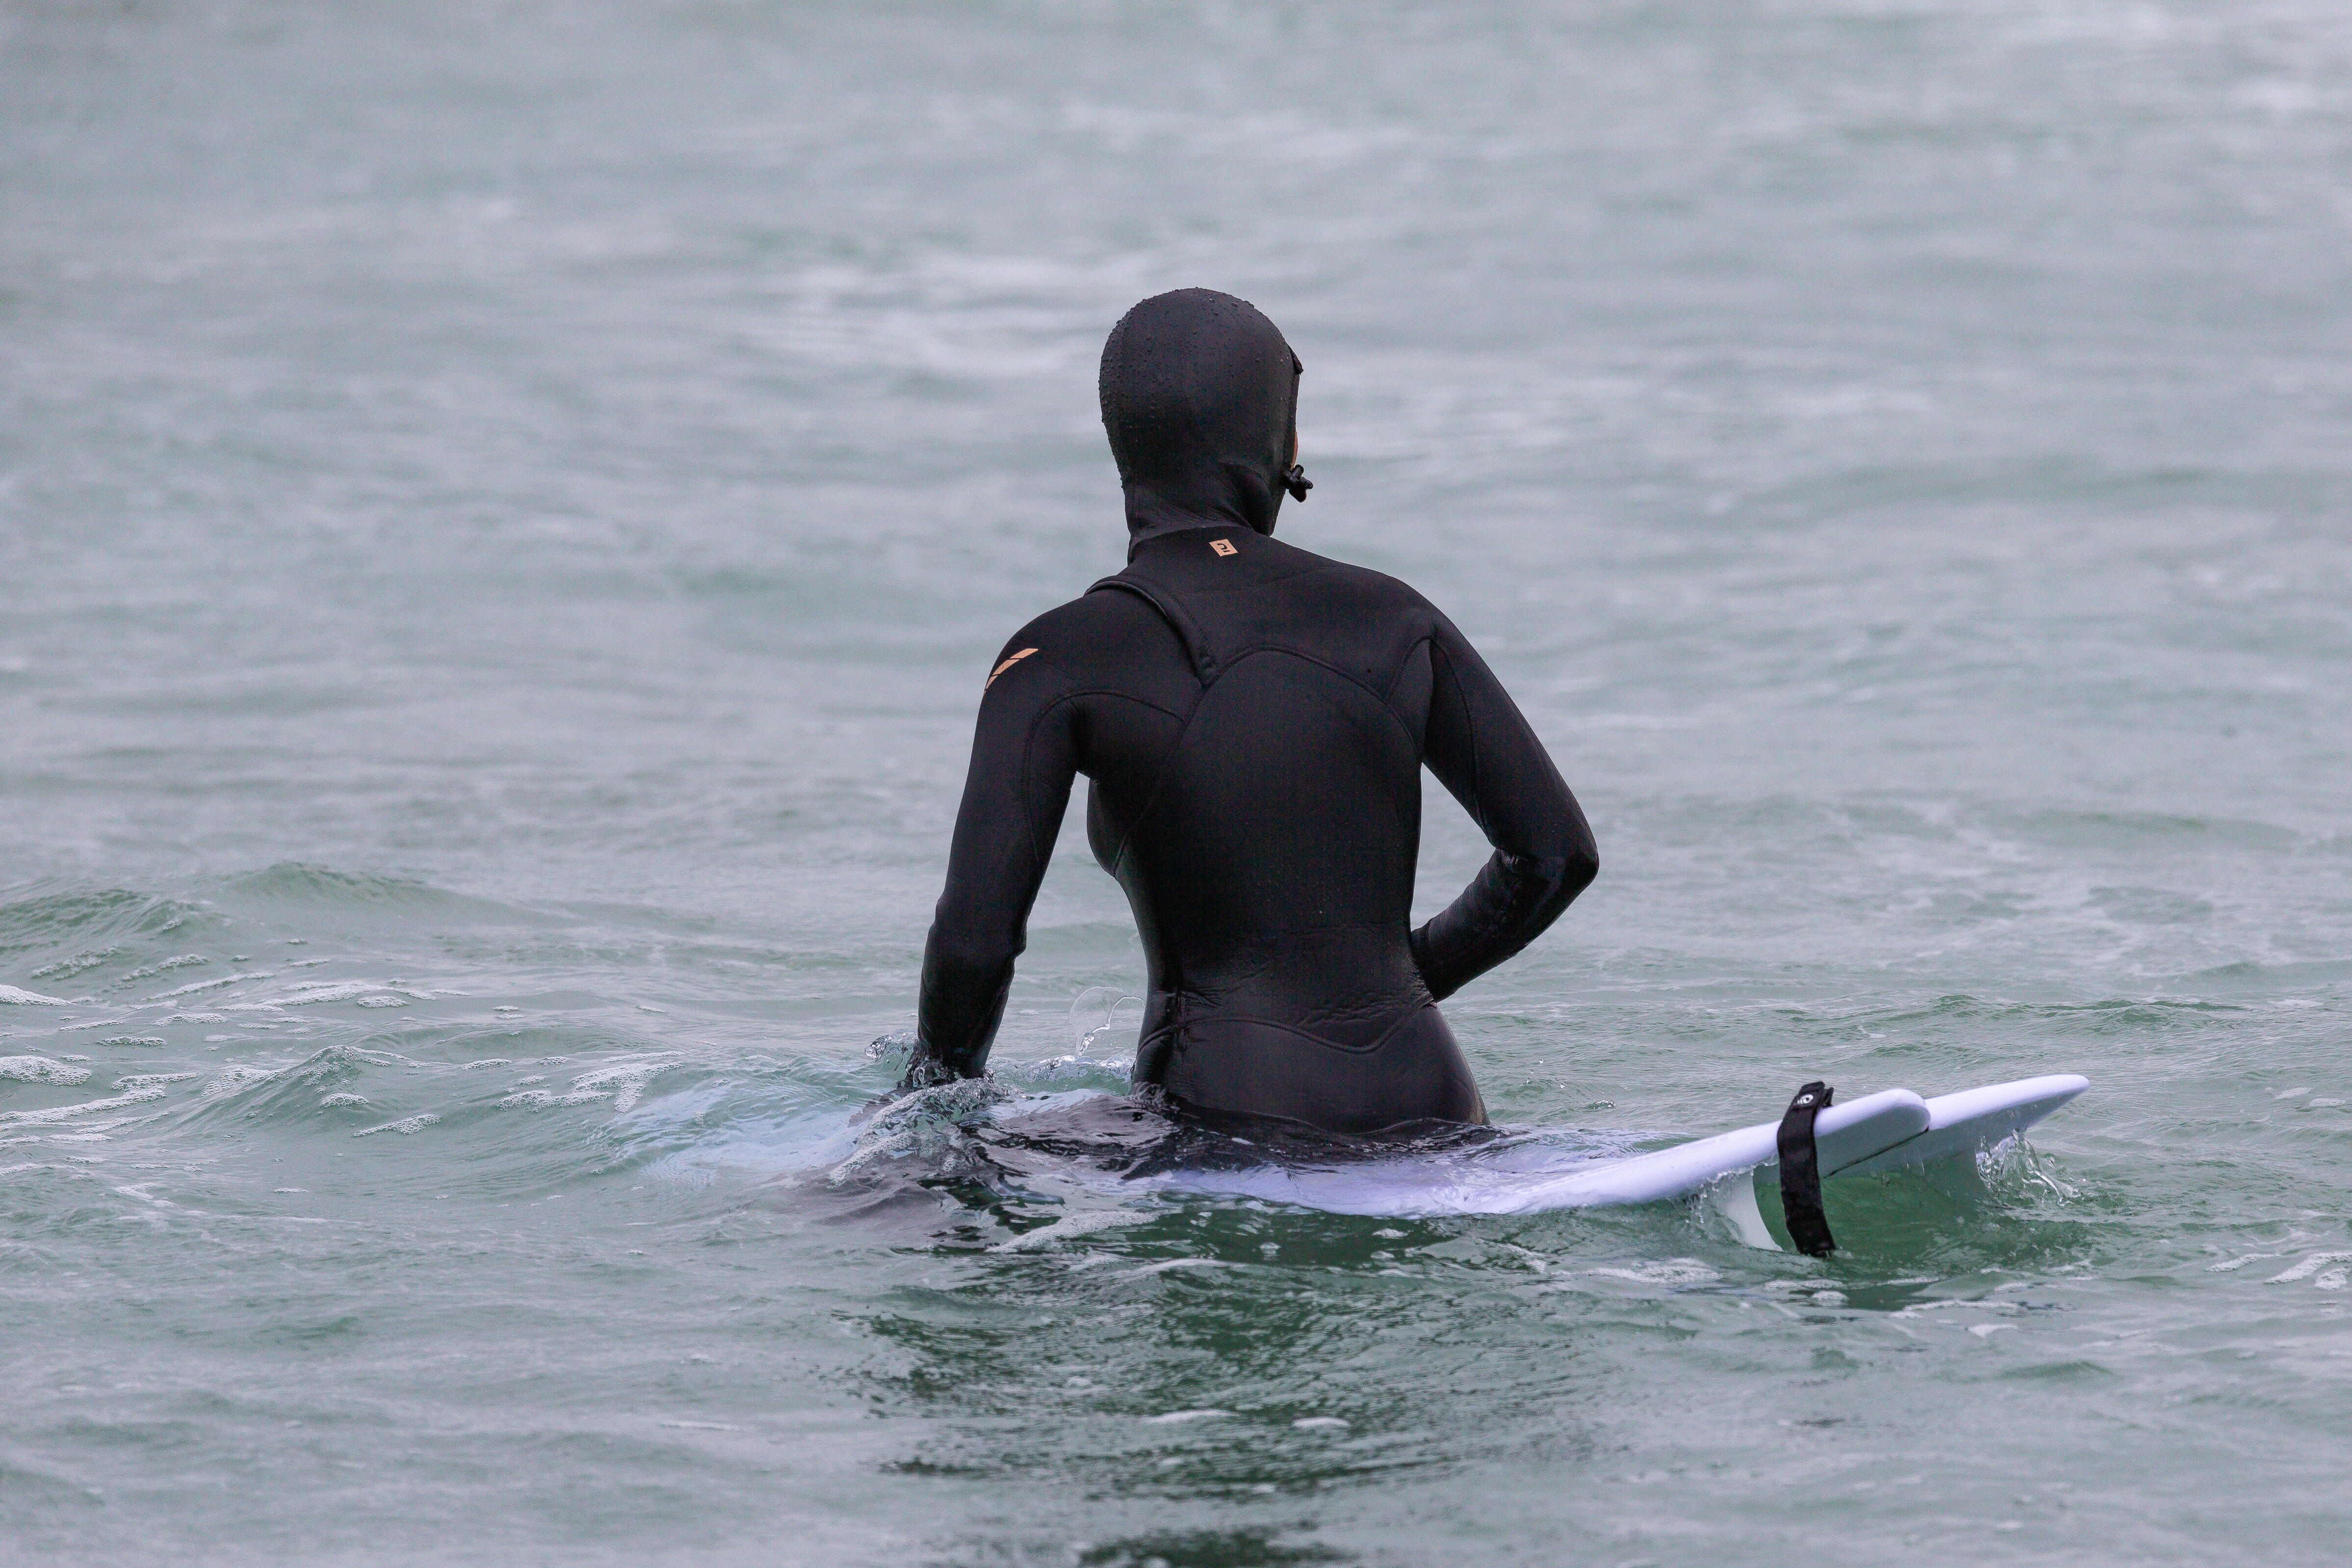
(1024, 756)
(1483, 751)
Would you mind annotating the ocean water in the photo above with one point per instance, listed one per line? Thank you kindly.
(506, 511)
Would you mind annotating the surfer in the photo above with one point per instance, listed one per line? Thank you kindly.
(1254, 720)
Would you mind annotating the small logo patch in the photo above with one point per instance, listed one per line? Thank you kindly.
(1224, 547)
(1008, 664)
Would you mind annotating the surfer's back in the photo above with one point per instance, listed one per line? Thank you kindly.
(1254, 718)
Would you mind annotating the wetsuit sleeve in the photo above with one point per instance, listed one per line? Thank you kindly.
(1485, 752)
(1023, 755)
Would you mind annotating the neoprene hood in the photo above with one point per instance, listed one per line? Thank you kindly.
(1200, 398)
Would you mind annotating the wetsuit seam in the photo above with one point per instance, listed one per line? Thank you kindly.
(1357, 680)
(1072, 697)
(1159, 781)
(1028, 745)
(1168, 617)
(1417, 643)
(1410, 1011)
(1176, 747)
(1389, 696)
(1470, 732)
(1122, 695)
(1118, 855)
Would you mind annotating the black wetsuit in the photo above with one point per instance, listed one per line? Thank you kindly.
(1255, 720)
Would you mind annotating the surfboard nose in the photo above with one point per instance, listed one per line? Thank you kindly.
(1977, 1119)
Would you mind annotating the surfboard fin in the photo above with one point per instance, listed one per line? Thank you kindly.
(1801, 1172)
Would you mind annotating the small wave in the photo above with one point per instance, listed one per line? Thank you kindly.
(302, 883)
(96, 926)
(12, 996)
(291, 1093)
(65, 968)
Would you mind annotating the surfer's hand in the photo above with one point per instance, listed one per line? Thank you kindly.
(924, 1071)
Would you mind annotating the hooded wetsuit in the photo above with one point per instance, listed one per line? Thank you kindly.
(1254, 720)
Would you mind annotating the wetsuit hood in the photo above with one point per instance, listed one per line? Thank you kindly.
(1200, 398)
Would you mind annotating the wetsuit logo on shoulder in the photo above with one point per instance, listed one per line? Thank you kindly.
(1008, 664)
(1224, 547)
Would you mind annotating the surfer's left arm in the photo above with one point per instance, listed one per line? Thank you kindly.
(1024, 756)
(1486, 753)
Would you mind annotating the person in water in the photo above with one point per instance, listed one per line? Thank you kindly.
(1254, 720)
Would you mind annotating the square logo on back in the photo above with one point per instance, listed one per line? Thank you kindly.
(1223, 546)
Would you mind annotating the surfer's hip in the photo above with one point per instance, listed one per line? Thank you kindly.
(1237, 1064)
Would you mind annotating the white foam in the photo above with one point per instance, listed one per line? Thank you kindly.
(215, 983)
(1669, 1271)
(41, 1069)
(185, 961)
(405, 1126)
(623, 1084)
(61, 1112)
(316, 991)
(12, 996)
(1164, 1266)
(1064, 1229)
(232, 1079)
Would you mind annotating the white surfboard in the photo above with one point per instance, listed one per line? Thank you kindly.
(1876, 1133)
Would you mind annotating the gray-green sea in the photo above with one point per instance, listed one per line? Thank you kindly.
(505, 511)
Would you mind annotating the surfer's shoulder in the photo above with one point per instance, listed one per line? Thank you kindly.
(1377, 592)
(1078, 638)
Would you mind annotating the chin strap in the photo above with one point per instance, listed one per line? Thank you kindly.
(1296, 482)
(1801, 1172)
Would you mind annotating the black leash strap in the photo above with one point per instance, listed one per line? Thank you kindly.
(1801, 1172)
